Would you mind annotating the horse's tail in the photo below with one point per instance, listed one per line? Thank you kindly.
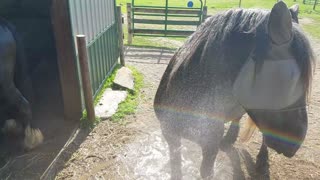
(248, 131)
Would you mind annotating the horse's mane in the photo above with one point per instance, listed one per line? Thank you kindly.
(303, 53)
(209, 44)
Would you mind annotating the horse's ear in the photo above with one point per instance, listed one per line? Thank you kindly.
(294, 10)
(280, 24)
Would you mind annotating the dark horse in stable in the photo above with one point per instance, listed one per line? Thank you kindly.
(15, 87)
(240, 61)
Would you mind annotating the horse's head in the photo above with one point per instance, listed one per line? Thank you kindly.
(273, 85)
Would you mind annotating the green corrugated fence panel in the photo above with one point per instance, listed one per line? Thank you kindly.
(104, 55)
(96, 20)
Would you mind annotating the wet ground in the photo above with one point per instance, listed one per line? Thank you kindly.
(143, 153)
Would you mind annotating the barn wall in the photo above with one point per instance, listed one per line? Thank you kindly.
(48, 27)
(50, 56)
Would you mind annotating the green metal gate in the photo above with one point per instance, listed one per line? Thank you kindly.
(97, 20)
(312, 2)
(163, 17)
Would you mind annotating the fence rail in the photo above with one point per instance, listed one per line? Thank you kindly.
(312, 2)
(140, 16)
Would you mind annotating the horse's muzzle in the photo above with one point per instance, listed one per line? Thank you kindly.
(284, 131)
(285, 148)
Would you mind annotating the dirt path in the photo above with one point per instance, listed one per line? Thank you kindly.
(141, 152)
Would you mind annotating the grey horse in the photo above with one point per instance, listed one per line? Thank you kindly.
(240, 61)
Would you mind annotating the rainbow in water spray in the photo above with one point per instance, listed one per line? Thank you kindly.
(191, 113)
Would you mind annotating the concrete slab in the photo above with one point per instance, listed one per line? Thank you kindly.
(124, 78)
(109, 102)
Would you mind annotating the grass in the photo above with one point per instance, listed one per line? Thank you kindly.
(130, 105)
(223, 4)
(214, 6)
(152, 42)
(84, 122)
(107, 84)
(313, 30)
(127, 107)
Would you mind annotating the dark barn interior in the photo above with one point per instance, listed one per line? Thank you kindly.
(32, 19)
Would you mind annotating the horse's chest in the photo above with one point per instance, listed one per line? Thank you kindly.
(210, 100)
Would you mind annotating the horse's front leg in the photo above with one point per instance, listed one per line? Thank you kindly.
(231, 136)
(175, 158)
(174, 143)
(211, 137)
(262, 163)
(19, 109)
(209, 154)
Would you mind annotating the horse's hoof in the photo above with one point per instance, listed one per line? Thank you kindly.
(33, 138)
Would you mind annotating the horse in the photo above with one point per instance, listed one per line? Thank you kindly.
(15, 89)
(240, 61)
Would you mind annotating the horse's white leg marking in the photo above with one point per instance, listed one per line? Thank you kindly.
(33, 137)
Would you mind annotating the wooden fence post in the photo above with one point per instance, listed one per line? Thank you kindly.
(120, 31)
(87, 89)
(315, 4)
(129, 19)
(204, 13)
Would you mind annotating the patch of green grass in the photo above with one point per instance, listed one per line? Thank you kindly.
(127, 107)
(220, 4)
(130, 105)
(85, 123)
(107, 84)
(313, 30)
(152, 42)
